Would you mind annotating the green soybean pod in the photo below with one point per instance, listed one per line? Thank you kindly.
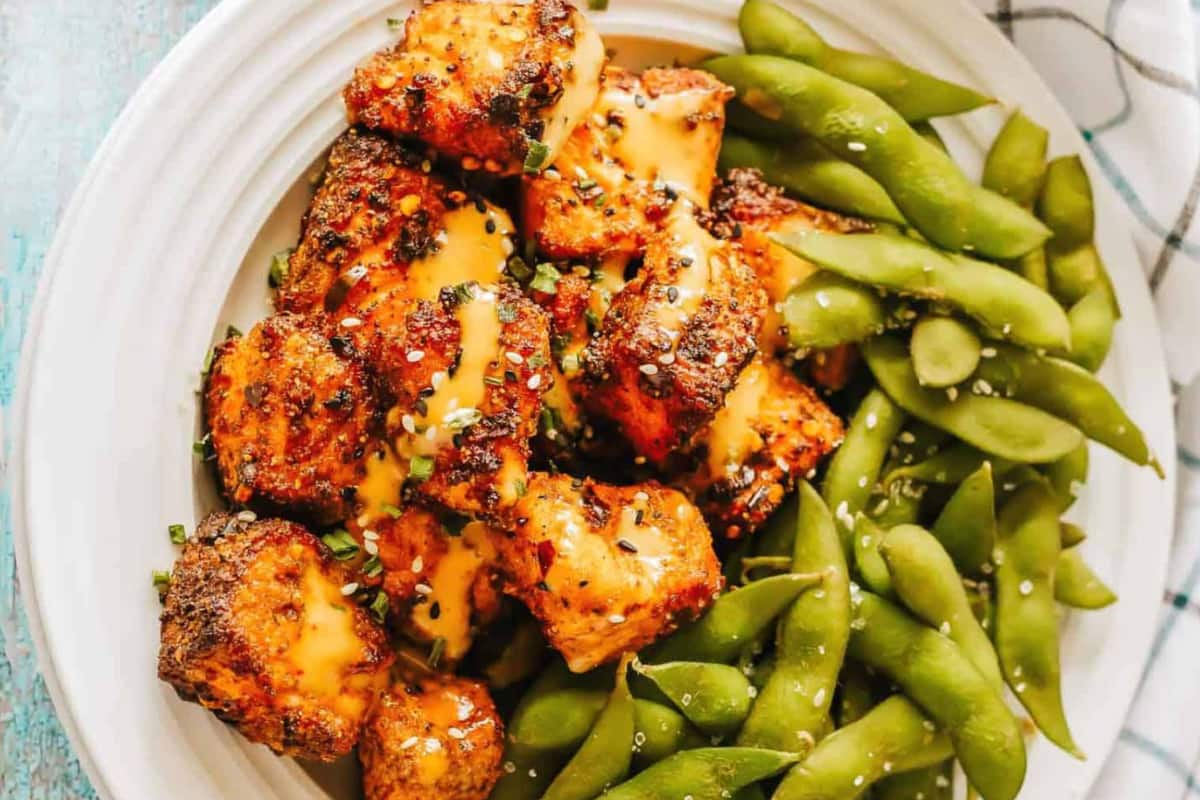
(1033, 268)
(659, 732)
(856, 695)
(1070, 393)
(930, 134)
(930, 191)
(1070, 534)
(934, 672)
(1067, 475)
(928, 783)
(768, 28)
(1092, 321)
(854, 469)
(1067, 207)
(996, 425)
(929, 585)
(867, 559)
(706, 773)
(950, 465)
(917, 442)
(827, 310)
(714, 697)
(966, 527)
(1077, 586)
(807, 170)
(1027, 552)
(735, 619)
(605, 756)
(892, 735)
(995, 297)
(793, 706)
(945, 351)
(1016, 163)
(520, 659)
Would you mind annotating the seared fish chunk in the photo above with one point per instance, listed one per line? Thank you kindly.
(291, 413)
(439, 738)
(497, 85)
(675, 339)
(606, 569)
(649, 140)
(772, 431)
(255, 628)
(747, 209)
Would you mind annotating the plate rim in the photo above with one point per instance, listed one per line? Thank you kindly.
(205, 32)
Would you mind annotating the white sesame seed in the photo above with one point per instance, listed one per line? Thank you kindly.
(616, 619)
(351, 322)
(247, 516)
(349, 588)
(415, 355)
(862, 482)
(722, 359)
(641, 496)
(1025, 587)
(988, 352)
(423, 588)
(370, 536)
(856, 147)
(408, 423)
(409, 742)
(686, 699)
(952, 393)
(944, 628)
(457, 733)
(906, 438)
(418, 564)
(872, 420)
(514, 358)
(371, 547)
(942, 781)
(648, 369)
(431, 432)
(666, 358)
(534, 381)
(436, 379)
(819, 697)
(822, 300)
(858, 780)
(510, 767)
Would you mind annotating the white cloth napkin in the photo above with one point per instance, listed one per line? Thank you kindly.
(1126, 70)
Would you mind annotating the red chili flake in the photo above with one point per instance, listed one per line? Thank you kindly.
(545, 554)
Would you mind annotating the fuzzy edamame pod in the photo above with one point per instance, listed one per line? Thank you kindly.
(605, 756)
(944, 350)
(659, 732)
(966, 527)
(1067, 476)
(998, 299)
(1070, 393)
(927, 582)
(1027, 552)
(1075, 584)
(768, 28)
(934, 672)
(735, 619)
(809, 171)
(854, 469)
(793, 705)
(892, 736)
(1092, 321)
(996, 425)
(827, 310)
(867, 559)
(714, 697)
(706, 773)
(930, 191)
(1016, 163)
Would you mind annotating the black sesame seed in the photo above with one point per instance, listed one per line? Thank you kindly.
(638, 517)
(435, 610)
(626, 545)
(490, 225)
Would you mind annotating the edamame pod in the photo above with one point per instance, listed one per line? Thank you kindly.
(996, 425)
(768, 28)
(521, 657)
(714, 697)
(901, 505)
(929, 133)
(1000, 300)
(855, 694)
(893, 735)
(735, 619)
(1016, 162)
(966, 528)
(827, 310)
(809, 171)
(706, 773)
(1027, 552)
(869, 563)
(925, 579)
(935, 673)
(794, 703)
(854, 469)
(951, 465)
(1092, 321)
(930, 191)
(1070, 393)
(944, 351)
(605, 756)
(1070, 534)
(1075, 584)
(1067, 208)
(659, 732)
(917, 442)
(928, 783)
(1067, 475)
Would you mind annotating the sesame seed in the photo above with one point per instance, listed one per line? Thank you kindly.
(822, 300)
(510, 767)
(666, 358)
(872, 421)
(247, 516)
(722, 359)
(431, 432)
(351, 322)
(436, 379)
(415, 355)
(1025, 587)
(648, 369)
(616, 619)
(349, 589)
(371, 547)
(370, 536)
(952, 393)
(944, 628)
(988, 352)
(418, 564)
(858, 780)
(534, 381)
(856, 147)
(409, 743)
(456, 733)
(423, 589)
(641, 496)
(514, 358)
(819, 697)
(408, 423)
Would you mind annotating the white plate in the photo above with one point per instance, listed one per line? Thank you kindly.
(168, 239)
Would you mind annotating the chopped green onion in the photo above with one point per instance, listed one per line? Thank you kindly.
(420, 468)
(280, 263)
(372, 566)
(232, 331)
(162, 579)
(342, 544)
(506, 312)
(598, 5)
(462, 418)
(536, 361)
(519, 269)
(570, 363)
(464, 292)
(520, 487)
(178, 533)
(395, 24)
(535, 157)
(435, 651)
(379, 606)
(545, 279)
(392, 511)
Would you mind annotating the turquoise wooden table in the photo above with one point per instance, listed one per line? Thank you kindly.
(66, 69)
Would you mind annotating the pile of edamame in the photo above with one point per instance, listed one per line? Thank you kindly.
(870, 633)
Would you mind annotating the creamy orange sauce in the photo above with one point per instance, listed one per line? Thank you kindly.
(451, 584)
(579, 91)
(381, 486)
(731, 436)
(708, 258)
(327, 645)
(465, 252)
